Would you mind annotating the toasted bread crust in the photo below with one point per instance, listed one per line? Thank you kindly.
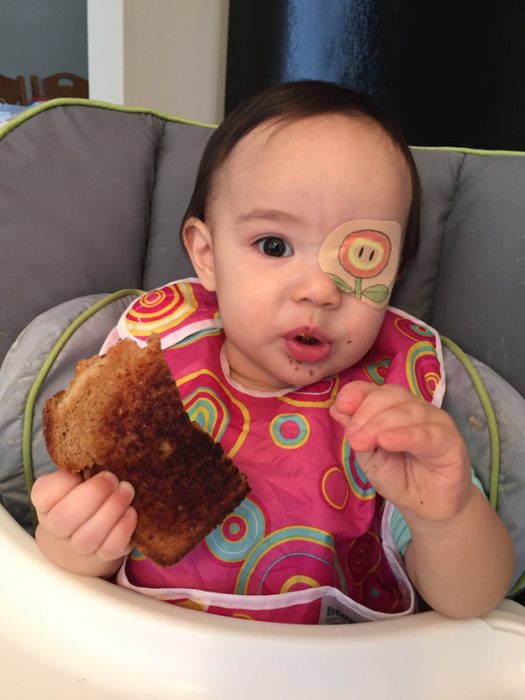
(122, 413)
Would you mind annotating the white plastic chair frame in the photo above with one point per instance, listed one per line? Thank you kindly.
(64, 636)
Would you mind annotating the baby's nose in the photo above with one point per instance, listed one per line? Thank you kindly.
(317, 287)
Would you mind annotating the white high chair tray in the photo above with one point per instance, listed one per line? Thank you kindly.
(64, 637)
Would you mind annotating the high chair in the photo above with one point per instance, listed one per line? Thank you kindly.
(13, 90)
(91, 196)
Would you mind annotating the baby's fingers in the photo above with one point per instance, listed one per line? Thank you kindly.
(90, 536)
(350, 398)
(373, 418)
(78, 505)
(430, 442)
(117, 543)
(51, 488)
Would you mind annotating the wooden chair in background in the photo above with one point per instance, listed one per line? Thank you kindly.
(59, 85)
(13, 90)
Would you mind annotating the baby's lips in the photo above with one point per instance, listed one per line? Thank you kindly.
(308, 332)
(307, 353)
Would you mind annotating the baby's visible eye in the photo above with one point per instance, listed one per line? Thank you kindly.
(274, 246)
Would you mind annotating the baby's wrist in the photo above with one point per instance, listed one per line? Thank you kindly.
(440, 524)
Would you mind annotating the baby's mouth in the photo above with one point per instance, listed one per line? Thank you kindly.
(307, 339)
(307, 345)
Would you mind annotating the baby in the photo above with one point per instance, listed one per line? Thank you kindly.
(304, 212)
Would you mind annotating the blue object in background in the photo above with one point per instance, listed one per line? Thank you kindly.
(8, 111)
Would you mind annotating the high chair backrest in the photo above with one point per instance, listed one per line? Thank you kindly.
(92, 197)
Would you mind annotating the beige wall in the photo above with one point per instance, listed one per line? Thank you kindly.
(166, 54)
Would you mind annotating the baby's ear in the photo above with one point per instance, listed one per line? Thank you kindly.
(199, 244)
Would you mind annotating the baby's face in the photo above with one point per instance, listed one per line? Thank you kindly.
(279, 196)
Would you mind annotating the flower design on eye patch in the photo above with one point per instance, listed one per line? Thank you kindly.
(364, 254)
(362, 258)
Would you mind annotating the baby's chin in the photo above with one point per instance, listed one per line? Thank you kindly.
(301, 374)
(272, 384)
(287, 373)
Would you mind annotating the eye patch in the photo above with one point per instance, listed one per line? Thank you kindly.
(362, 257)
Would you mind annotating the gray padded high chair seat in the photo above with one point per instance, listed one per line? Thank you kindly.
(91, 199)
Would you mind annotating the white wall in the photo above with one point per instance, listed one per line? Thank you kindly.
(105, 32)
(166, 54)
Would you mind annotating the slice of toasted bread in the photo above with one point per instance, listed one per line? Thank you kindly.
(122, 413)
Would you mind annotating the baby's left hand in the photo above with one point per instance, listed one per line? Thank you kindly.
(411, 452)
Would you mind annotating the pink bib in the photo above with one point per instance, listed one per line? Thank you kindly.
(312, 542)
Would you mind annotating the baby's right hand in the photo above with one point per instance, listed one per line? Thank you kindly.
(84, 520)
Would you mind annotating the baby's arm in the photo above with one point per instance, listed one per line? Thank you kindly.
(460, 557)
(84, 526)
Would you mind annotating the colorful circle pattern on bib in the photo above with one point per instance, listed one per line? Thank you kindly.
(282, 562)
(357, 479)
(160, 310)
(422, 374)
(377, 371)
(239, 533)
(289, 431)
(211, 404)
(412, 329)
(335, 488)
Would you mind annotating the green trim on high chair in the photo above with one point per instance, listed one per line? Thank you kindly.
(494, 437)
(27, 431)
(469, 151)
(26, 115)
(490, 414)
(518, 587)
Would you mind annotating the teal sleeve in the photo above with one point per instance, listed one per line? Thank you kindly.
(399, 528)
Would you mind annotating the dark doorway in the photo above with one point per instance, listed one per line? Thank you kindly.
(453, 72)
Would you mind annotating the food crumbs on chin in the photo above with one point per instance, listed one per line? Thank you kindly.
(421, 502)
(348, 342)
(311, 372)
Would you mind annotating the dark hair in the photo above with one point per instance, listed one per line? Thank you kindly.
(290, 102)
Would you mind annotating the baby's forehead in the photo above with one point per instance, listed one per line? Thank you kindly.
(291, 138)
(278, 133)
(308, 153)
